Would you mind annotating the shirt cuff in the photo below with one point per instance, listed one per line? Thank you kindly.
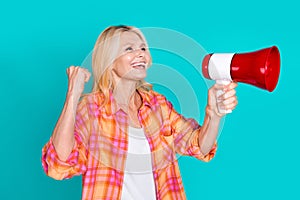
(51, 161)
(195, 151)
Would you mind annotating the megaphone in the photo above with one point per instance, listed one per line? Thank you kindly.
(260, 68)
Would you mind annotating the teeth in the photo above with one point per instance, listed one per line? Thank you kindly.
(139, 65)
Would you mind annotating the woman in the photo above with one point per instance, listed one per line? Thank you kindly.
(123, 137)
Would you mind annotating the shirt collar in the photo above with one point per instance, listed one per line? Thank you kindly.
(112, 107)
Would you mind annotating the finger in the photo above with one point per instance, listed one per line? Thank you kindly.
(229, 100)
(85, 70)
(87, 76)
(231, 86)
(85, 73)
(70, 70)
(230, 106)
(227, 95)
(77, 68)
(72, 67)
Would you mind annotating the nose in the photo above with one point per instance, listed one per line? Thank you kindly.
(140, 53)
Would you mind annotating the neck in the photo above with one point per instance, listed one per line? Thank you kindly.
(128, 99)
(125, 92)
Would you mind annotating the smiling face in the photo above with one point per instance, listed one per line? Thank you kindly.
(133, 59)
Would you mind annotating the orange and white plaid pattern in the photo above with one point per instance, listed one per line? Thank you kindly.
(101, 144)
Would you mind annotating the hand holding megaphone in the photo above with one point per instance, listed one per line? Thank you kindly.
(260, 68)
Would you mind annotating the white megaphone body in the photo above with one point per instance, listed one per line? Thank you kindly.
(259, 68)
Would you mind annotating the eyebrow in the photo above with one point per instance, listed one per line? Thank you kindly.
(142, 44)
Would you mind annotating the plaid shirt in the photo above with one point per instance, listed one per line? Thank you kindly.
(101, 144)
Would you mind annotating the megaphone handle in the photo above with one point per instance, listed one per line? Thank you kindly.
(220, 92)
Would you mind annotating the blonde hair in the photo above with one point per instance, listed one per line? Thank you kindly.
(105, 52)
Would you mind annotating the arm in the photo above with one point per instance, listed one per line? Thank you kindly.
(210, 128)
(194, 140)
(63, 134)
(64, 155)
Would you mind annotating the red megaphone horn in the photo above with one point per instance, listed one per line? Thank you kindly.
(259, 68)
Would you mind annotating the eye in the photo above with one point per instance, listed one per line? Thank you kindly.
(129, 49)
(144, 49)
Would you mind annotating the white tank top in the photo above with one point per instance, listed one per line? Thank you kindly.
(138, 177)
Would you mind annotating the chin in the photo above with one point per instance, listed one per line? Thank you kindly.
(139, 77)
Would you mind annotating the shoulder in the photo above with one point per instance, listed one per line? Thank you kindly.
(90, 102)
(92, 98)
(151, 95)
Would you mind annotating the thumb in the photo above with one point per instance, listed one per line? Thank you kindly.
(87, 75)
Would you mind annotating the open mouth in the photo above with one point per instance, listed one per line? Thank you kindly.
(139, 65)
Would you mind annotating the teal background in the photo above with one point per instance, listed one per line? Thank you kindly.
(258, 147)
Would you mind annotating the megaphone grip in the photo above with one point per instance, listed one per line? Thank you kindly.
(221, 92)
